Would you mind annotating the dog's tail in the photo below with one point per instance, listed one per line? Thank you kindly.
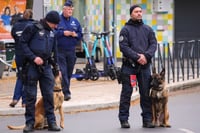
(16, 127)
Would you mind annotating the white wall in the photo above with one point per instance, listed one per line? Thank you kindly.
(38, 11)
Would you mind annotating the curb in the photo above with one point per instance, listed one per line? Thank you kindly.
(96, 106)
(183, 85)
(83, 107)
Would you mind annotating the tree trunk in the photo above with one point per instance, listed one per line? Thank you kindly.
(29, 4)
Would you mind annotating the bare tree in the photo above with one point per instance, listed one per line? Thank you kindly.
(29, 4)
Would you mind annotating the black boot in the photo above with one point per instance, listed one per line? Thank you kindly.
(125, 124)
(53, 127)
(148, 125)
(28, 128)
(13, 103)
(67, 97)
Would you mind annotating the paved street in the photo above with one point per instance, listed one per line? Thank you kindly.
(184, 107)
(86, 94)
(94, 107)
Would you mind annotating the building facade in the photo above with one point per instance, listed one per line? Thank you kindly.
(159, 14)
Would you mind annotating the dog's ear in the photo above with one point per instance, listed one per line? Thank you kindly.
(153, 70)
(162, 73)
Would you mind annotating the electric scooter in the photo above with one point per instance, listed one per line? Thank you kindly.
(90, 71)
(110, 69)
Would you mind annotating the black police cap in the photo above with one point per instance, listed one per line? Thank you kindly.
(53, 17)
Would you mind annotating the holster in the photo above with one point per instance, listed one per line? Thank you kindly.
(119, 75)
(129, 62)
(24, 71)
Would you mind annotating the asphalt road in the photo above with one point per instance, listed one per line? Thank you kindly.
(184, 108)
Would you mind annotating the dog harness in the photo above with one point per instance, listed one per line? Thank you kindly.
(157, 94)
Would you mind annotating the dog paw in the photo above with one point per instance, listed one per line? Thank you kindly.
(168, 126)
(165, 125)
(62, 126)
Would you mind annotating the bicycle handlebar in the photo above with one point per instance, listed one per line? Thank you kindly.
(104, 33)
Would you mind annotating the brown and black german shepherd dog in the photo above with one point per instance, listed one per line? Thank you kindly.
(159, 96)
(40, 119)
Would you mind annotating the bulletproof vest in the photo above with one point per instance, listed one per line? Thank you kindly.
(42, 41)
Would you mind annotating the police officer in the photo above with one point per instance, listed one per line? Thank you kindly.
(39, 44)
(19, 58)
(138, 44)
(69, 34)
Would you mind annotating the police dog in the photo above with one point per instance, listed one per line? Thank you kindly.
(159, 96)
(40, 119)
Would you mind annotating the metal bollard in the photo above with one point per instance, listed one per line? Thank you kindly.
(2, 65)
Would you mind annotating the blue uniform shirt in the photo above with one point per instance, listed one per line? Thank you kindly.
(71, 24)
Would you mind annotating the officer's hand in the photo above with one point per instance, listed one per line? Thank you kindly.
(67, 33)
(142, 60)
(38, 61)
(74, 34)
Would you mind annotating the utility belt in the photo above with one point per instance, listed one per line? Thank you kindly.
(26, 65)
(40, 68)
(45, 63)
(129, 62)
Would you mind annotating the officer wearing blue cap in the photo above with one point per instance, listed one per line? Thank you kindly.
(69, 34)
(68, 3)
(138, 44)
(39, 47)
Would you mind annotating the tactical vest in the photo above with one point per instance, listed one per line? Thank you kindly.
(42, 42)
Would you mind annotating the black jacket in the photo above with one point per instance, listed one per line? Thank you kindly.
(137, 38)
(16, 32)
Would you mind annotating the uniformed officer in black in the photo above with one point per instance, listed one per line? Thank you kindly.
(138, 44)
(16, 32)
(39, 44)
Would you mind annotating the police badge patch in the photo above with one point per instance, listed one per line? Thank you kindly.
(51, 34)
(41, 33)
(121, 38)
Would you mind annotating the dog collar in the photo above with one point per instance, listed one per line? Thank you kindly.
(57, 90)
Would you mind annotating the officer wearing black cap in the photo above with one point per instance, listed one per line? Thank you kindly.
(69, 34)
(138, 44)
(40, 50)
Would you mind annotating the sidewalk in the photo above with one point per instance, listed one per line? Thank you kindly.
(86, 95)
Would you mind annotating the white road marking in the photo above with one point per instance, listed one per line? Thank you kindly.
(186, 130)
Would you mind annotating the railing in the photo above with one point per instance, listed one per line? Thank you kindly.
(6, 65)
(180, 59)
